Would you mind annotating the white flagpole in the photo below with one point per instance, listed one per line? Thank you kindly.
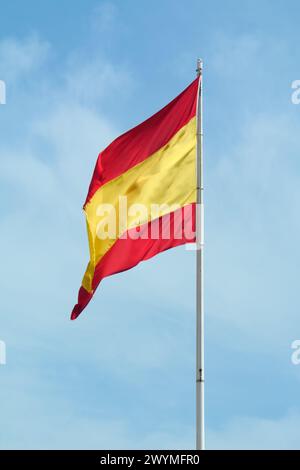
(200, 442)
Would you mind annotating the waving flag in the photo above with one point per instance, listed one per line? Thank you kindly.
(148, 174)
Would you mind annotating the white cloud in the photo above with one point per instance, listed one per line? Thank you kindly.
(256, 433)
(253, 230)
(45, 172)
(18, 58)
(104, 16)
(233, 57)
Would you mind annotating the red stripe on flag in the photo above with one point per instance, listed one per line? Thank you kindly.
(139, 143)
(83, 299)
(127, 252)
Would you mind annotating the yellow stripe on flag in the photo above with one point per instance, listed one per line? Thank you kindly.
(166, 177)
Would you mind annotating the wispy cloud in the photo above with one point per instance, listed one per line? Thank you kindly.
(19, 58)
(258, 433)
(138, 334)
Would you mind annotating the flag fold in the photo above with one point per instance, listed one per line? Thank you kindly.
(142, 196)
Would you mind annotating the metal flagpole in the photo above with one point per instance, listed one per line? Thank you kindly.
(200, 443)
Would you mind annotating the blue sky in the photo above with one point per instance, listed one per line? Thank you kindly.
(122, 376)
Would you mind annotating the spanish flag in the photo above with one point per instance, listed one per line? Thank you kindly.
(148, 174)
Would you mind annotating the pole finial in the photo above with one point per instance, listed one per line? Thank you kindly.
(199, 67)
